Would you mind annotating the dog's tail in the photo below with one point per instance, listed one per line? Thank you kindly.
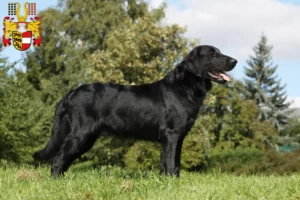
(59, 132)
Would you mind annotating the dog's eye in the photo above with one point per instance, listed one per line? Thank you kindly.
(212, 53)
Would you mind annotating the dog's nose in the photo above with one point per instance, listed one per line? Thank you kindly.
(233, 62)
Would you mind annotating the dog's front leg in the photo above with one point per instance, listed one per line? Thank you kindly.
(171, 147)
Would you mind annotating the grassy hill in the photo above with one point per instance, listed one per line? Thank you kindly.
(118, 183)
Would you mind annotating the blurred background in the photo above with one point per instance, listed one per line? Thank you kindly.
(248, 126)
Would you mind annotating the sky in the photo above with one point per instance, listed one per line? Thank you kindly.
(233, 26)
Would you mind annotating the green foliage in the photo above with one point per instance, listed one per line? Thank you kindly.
(5, 143)
(289, 140)
(263, 86)
(196, 145)
(280, 163)
(144, 155)
(55, 67)
(110, 150)
(20, 114)
(194, 155)
(89, 21)
(238, 160)
(71, 32)
(294, 127)
(23, 117)
(235, 119)
(139, 52)
(254, 161)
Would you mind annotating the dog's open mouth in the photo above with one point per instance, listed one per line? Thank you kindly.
(218, 76)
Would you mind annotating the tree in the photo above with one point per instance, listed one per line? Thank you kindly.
(20, 119)
(139, 52)
(235, 119)
(263, 86)
(21, 115)
(71, 32)
(294, 127)
(5, 144)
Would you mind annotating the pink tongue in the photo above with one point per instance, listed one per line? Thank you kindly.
(225, 77)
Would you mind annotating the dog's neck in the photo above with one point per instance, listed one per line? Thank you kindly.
(188, 81)
(189, 86)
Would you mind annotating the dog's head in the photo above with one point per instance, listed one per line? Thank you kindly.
(209, 62)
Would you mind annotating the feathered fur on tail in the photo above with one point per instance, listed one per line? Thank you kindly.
(59, 131)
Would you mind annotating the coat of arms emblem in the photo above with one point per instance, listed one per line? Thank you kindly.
(22, 33)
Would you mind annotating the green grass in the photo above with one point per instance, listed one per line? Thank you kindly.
(26, 182)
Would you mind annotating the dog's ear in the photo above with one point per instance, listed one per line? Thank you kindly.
(194, 66)
(193, 63)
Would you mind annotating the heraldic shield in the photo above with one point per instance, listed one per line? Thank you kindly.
(21, 41)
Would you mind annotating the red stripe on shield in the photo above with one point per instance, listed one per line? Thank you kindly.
(26, 34)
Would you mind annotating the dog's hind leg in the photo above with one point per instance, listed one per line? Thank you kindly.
(73, 147)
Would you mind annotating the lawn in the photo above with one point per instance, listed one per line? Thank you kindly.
(25, 182)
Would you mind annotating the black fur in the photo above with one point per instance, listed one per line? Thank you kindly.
(162, 111)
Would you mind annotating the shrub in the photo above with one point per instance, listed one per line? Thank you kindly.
(143, 154)
(108, 151)
(240, 160)
(280, 163)
(194, 154)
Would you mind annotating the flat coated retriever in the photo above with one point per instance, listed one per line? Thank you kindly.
(162, 111)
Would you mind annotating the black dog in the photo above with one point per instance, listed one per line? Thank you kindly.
(162, 111)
